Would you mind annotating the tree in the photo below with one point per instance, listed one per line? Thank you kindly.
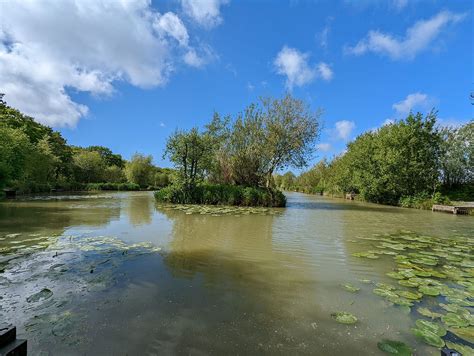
(139, 170)
(192, 154)
(108, 156)
(291, 131)
(15, 148)
(88, 166)
(457, 161)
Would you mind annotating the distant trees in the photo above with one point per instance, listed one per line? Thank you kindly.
(35, 158)
(411, 157)
(140, 170)
(457, 161)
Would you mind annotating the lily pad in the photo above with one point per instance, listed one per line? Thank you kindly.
(464, 333)
(428, 313)
(428, 290)
(428, 337)
(430, 326)
(344, 317)
(350, 288)
(463, 349)
(455, 320)
(395, 347)
(409, 295)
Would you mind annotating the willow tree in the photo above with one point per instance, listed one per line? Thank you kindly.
(291, 131)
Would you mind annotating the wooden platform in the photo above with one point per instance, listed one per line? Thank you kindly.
(454, 209)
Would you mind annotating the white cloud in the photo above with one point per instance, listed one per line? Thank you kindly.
(162, 124)
(417, 38)
(325, 71)
(206, 13)
(172, 25)
(49, 49)
(198, 60)
(344, 129)
(323, 37)
(294, 65)
(324, 147)
(413, 101)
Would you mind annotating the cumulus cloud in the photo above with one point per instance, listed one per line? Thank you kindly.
(170, 24)
(344, 129)
(324, 147)
(413, 101)
(417, 38)
(325, 71)
(206, 13)
(49, 49)
(294, 65)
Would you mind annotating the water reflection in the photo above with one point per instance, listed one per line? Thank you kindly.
(140, 209)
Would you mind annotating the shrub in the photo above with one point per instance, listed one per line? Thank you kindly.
(423, 201)
(221, 194)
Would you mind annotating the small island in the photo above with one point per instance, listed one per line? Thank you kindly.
(233, 160)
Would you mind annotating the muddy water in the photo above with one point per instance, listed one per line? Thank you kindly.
(115, 274)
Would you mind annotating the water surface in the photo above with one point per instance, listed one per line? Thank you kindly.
(114, 273)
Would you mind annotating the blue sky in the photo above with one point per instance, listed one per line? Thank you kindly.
(127, 74)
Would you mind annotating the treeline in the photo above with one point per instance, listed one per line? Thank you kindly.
(412, 162)
(35, 158)
(232, 161)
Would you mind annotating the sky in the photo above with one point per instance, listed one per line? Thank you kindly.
(127, 73)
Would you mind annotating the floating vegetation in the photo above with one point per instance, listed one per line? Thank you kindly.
(219, 210)
(441, 269)
(428, 313)
(463, 349)
(395, 347)
(344, 317)
(350, 288)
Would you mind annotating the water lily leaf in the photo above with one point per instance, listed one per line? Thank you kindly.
(455, 320)
(430, 326)
(368, 255)
(428, 313)
(464, 333)
(385, 286)
(463, 349)
(428, 337)
(428, 290)
(350, 288)
(395, 347)
(384, 293)
(344, 317)
(43, 294)
(409, 283)
(409, 295)
(400, 301)
(395, 275)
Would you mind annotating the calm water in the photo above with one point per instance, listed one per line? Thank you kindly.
(114, 274)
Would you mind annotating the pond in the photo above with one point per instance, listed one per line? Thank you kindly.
(114, 273)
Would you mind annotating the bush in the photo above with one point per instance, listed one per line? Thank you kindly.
(221, 194)
(423, 201)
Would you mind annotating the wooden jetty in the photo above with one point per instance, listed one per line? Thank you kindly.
(454, 209)
(9, 344)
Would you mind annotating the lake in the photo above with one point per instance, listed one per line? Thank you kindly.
(114, 273)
